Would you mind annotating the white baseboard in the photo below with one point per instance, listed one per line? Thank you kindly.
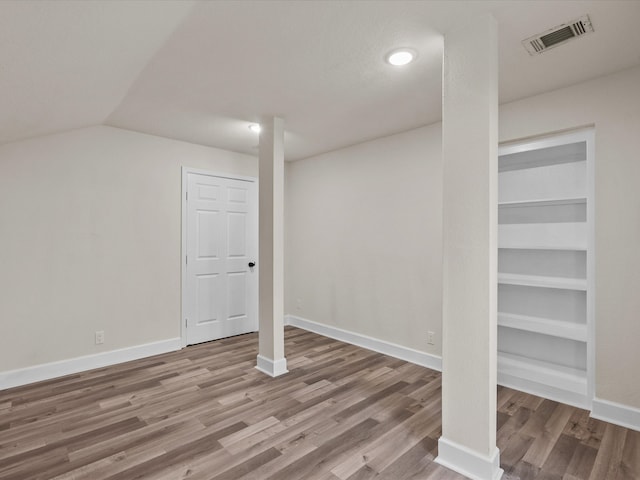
(47, 371)
(273, 368)
(387, 348)
(468, 462)
(616, 413)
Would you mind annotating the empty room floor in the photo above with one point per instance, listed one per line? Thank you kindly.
(342, 412)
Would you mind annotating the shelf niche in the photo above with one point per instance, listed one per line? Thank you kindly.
(544, 258)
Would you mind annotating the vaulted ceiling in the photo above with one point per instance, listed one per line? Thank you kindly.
(201, 71)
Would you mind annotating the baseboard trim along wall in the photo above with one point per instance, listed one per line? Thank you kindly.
(47, 371)
(467, 462)
(273, 368)
(397, 351)
(616, 413)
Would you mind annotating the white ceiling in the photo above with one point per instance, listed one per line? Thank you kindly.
(66, 65)
(201, 71)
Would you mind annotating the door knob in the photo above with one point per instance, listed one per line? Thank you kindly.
(252, 264)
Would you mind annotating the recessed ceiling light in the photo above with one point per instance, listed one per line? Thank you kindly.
(401, 56)
(254, 127)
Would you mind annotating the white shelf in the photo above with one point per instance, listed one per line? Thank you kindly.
(543, 282)
(566, 180)
(544, 373)
(543, 236)
(545, 326)
(541, 202)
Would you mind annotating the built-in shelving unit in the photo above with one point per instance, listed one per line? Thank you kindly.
(545, 259)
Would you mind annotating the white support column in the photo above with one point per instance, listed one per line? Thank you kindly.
(470, 143)
(271, 358)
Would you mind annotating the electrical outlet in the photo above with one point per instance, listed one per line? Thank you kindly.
(298, 304)
(99, 337)
(430, 339)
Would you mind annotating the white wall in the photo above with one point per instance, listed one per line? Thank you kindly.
(363, 246)
(90, 225)
(364, 226)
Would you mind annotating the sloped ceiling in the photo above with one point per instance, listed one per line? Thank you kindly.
(201, 71)
(66, 65)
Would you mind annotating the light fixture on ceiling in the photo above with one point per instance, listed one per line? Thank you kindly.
(401, 56)
(254, 127)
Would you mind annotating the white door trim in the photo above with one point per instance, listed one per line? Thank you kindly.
(183, 242)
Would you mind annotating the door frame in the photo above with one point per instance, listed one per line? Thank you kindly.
(183, 240)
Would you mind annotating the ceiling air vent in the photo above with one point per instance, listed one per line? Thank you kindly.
(558, 35)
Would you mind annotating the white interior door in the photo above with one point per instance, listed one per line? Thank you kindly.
(221, 289)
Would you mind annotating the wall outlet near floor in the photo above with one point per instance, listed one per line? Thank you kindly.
(430, 339)
(298, 304)
(99, 337)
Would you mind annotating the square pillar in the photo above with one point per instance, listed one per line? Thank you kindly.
(470, 154)
(271, 358)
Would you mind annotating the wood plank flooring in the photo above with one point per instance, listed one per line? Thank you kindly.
(342, 413)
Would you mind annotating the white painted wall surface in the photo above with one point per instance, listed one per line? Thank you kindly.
(363, 246)
(358, 256)
(90, 240)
